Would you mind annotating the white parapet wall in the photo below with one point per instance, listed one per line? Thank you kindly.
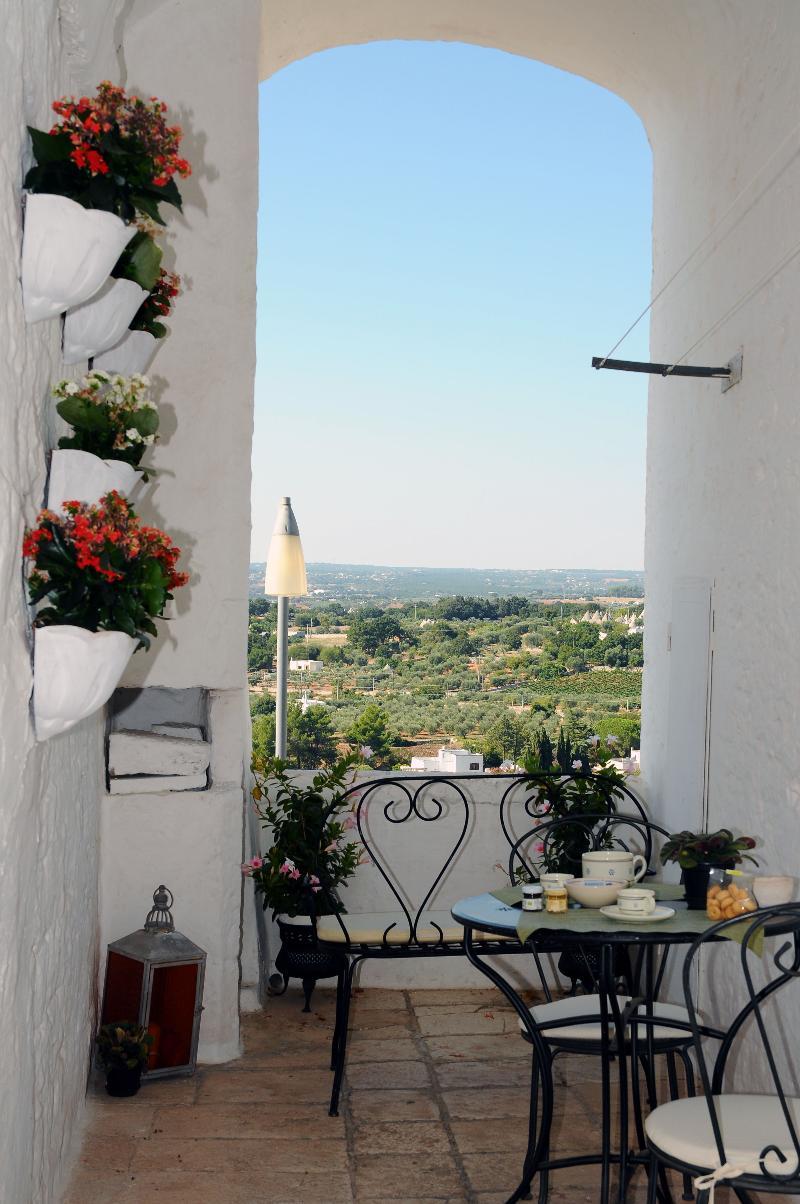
(190, 841)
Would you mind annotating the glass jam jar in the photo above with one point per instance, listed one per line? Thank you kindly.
(730, 894)
(555, 899)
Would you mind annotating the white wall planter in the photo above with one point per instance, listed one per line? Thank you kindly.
(101, 322)
(131, 354)
(67, 253)
(81, 477)
(75, 672)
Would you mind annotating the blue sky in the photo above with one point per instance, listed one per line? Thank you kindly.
(447, 234)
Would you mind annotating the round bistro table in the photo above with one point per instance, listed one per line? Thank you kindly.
(589, 929)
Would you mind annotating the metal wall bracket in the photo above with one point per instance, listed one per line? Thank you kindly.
(734, 367)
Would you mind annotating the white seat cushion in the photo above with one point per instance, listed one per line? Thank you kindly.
(368, 928)
(682, 1130)
(589, 1005)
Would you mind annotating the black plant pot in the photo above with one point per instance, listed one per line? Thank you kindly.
(695, 885)
(301, 957)
(121, 1080)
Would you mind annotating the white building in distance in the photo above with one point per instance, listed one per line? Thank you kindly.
(303, 666)
(449, 760)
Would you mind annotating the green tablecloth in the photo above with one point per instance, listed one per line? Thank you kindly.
(590, 919)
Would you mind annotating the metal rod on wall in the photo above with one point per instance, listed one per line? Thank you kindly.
(721, 373)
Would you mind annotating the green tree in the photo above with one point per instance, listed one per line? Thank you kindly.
(310, 738)
(371, 729)
(371, 631)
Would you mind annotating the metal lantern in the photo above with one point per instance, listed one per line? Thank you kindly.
(155, 976)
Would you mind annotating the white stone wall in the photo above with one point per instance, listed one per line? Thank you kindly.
(49, 793)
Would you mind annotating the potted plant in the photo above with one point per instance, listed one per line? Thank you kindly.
(104, 577)
(113, 423)
(123, 1049)
(139, 343)
(104, 161)
(558, 796)
(311, 856)
(697, 853)
(102, 321)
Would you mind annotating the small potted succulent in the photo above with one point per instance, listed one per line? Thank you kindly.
(697, 853)
(105, 160)
(113, 423)
(310, 857)
(104, 577)
(123, 1049)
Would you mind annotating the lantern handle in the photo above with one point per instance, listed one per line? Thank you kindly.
(159, 918)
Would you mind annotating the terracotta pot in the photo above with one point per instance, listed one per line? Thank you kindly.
(131, 354)
(102, 321)
(67, 253)
(81, 477)
(75, 672)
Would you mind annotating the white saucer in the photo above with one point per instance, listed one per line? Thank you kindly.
(638, 917)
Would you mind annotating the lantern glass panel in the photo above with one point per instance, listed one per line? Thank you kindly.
(123, 996)
(173, 999)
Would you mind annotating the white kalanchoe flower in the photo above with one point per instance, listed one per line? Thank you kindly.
(71, 388)
(577, 764)
(134, 435)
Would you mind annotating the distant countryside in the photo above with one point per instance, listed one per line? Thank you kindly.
(523, 667)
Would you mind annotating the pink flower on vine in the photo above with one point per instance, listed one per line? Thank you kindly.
(349, 823)
(332, 847)
(289, 868)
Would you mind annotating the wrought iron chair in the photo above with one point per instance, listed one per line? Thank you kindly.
(408, 929)
(748, 1142)
(574, 1024)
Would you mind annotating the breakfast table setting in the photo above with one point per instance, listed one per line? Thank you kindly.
(617, 912)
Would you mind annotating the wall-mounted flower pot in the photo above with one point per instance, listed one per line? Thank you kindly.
(131, 354)
(67, 253)
(75, 672)
(78, 476)
(101, 322)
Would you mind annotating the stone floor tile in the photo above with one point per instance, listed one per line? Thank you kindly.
(455, 1021)
(406, 1177)
(491, 1047)
(214, 1156)
(488, 1136)
(466, 1103)
(483, 1074)
(365, 999)
(242, 1120)
(271, 1087)
(386, 1106)
(387, 1075)
(394, 1137)
(369, 1018)
(388, 1032)
(107, 1153)
(474, 998)
(404, 1049)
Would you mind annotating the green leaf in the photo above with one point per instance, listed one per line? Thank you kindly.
(50, 148)
(147, 205)
(82, 414)
(140, 261)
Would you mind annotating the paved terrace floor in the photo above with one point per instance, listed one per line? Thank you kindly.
(434, 1110)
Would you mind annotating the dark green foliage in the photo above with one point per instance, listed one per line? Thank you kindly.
(310, 856)
(126, 189)
(124, 1044)
(720, 848)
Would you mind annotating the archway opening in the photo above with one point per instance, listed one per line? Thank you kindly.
(447, 234)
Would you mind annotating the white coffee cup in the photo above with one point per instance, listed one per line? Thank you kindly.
(635, 901)
(613, 863)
